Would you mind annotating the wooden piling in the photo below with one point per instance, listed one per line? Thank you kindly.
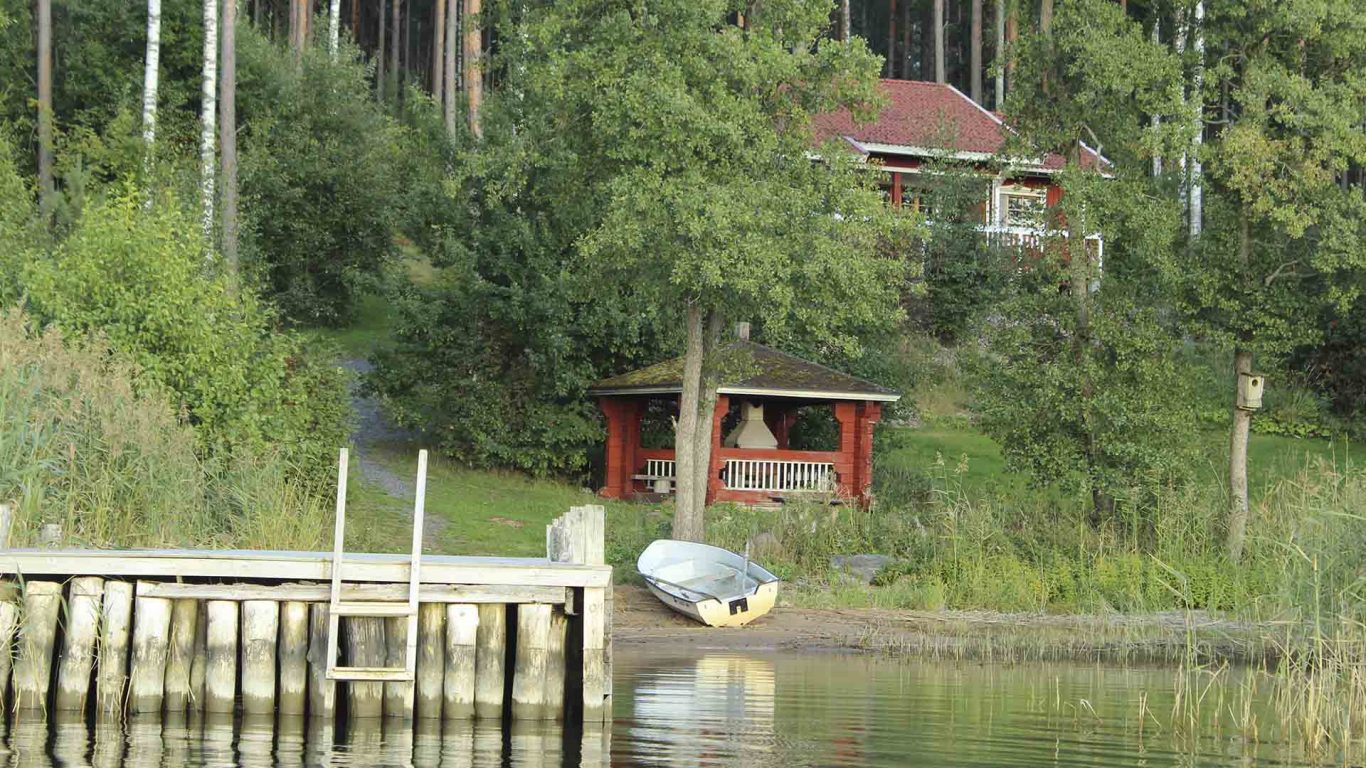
(78, 648)
(322, 692)
(38, 631)
(398, 697)
(462, 624)
(199, 658)
(220, 668)
(365, 648)
(597, 671)
(260, 633)
(490, 660)
(151, 645)
(293, 654)
(431, 660)
(9, 616)
(111, 672)
(529, 671)
(555, 665)
(180, 659)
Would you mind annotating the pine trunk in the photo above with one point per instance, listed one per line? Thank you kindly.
(1000, 55)
(975, 55)
(940, 68)
(395, 49)
(46, 185)
(688, 523)
(227, 139)
(208, 124)
(891, 38)
(474, 76)
(438, 50)
(380, 73)
(448, 76)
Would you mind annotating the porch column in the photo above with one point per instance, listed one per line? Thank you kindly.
(846, 464)
(616, 471)
(714, 484)
(867, 415)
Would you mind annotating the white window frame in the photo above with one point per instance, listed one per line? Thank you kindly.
(1006, 191)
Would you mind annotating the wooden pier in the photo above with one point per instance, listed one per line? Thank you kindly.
(171, 631)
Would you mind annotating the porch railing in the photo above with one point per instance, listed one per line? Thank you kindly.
(665, 468)
(773, 475)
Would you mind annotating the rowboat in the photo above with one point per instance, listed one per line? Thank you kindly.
(712, 585)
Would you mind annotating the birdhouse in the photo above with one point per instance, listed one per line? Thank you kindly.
(1250, 391)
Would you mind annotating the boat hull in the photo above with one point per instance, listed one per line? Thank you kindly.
(734, 612)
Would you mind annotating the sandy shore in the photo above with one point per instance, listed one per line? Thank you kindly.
(639, 619)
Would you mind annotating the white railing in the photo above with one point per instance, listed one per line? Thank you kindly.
(1032, 238)
(661, 468)
(774, 475)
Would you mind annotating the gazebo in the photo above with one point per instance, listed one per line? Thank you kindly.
(751, 458)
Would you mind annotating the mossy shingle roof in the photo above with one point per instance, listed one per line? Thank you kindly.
(762, 371)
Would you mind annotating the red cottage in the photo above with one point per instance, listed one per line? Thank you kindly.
(925, 122)
(751, 460)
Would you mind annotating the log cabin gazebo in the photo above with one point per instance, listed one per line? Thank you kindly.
(751, 461)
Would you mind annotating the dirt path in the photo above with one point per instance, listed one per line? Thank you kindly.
(373, 432)
(640, 619)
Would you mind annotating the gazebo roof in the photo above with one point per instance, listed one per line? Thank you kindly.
(773, 374)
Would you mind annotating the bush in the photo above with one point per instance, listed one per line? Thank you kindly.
(137, 275)
(89, 442)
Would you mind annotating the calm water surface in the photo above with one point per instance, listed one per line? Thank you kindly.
(725, 709)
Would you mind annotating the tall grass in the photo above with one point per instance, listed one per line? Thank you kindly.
(92, 446)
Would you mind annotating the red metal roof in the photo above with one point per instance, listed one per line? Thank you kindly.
(922, 118)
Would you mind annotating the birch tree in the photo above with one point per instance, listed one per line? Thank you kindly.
(940, 69)
(208, 92)
(227, 140)
(151, 69)
(333, 27)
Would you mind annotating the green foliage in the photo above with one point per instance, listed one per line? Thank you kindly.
(90, 442)
(322, 177)
(136, 274)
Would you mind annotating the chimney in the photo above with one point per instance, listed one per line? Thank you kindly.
(742, 331)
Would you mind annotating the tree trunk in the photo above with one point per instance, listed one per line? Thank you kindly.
(1000, 54)
(1012, 34)
(296, 31)
(975, 55)
(688, 522)
(1156, 120)
(448, 65)
(845, 21)
(227, 140)
(395, 50)
(1197, 101)
(940, 70)
(1179, 42)
(208, 124)
(1046, 17)
(333, 27)
(891, 38)
(439, 50)
(706, 410)
(151, 69)
(380, 74)
(46, 185)
(474, 76)
(355, 21)
(906, 27)
(1242, 424)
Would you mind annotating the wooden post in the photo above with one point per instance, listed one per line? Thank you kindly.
(116, 621)
(490, 660)
(555, 665)
(33, 669)
(220, 669)
(293, 654)
(322, 692)
(431, 659)
(462, 637)
(6, 520)
(529, 672)
(9, 616)
(398, 697)
(597, 671)
(180, 661)
(365, 648)
(78, 651)
(260, 633)
(151, 645)
(199, 660)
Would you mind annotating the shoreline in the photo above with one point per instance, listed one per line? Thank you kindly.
(1168, 637)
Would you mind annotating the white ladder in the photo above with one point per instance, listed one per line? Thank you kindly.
(375, 608)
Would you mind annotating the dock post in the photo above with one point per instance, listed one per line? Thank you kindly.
(112, 670)
(490, 659)
(597, 671)
(322, 692)
(78, 649)
(398, 697)
(9, 616)
(33, 669)
(260, 633)
(220, 653)
(431, 660)
(555, 665)
(293, 654)
(529, 672)
(151, 643)
(462, 625)
(180, 661)
(365, 648)
(199, 659)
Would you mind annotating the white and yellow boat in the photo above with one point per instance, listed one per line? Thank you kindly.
(712, 585)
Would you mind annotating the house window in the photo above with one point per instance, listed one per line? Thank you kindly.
(1021, 207)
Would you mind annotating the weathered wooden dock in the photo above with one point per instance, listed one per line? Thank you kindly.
(153, 631)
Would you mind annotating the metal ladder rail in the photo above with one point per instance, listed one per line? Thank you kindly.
(408, 609)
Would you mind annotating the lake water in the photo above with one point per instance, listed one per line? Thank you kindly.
(749, 710)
